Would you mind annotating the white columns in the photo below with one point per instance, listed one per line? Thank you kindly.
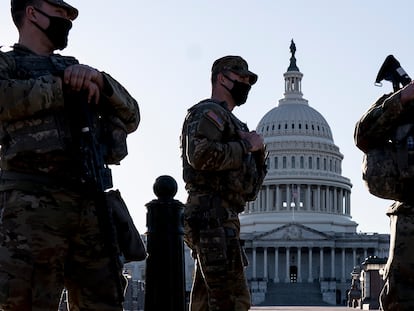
(287, 279)
(260, 200)
(308, 203)
(333, 262)
(288, 197)
(299, 265)
(347, 203)
(254, 262)
(310, 278)
(321, 263)
(276, 279)
(268, 207)
(318, 198)
(343, 279)
(278, 198)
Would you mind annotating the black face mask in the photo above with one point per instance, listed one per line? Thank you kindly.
(239, 91)
(57, 31)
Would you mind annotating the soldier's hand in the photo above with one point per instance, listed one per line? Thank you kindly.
(255, 140)
(84, 78)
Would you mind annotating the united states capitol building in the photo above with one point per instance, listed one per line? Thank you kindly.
(299, 235)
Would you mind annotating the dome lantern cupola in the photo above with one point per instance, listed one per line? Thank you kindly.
(293, 77)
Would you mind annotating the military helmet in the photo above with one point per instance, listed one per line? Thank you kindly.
(20, 5)
(235, 64)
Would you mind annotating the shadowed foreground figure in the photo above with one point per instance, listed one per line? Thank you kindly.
(50, 237)
(385, 134)
(223, 168)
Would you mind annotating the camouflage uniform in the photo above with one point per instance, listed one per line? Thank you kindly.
(375, 130)
(220, 175)
(49, 232)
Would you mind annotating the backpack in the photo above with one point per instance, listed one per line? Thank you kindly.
(388, 170)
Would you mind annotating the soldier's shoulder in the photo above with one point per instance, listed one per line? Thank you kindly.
(212, 110)
(207, 105)
(6, 58)
(68, 60)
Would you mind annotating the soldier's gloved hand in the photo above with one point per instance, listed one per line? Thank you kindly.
(84, 78)
(255, 140)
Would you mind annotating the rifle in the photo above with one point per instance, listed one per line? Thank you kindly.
(392, 71)
(97, 178)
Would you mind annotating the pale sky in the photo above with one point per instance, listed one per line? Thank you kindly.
(162, 52)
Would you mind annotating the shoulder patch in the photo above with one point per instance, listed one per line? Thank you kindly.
(212, 116)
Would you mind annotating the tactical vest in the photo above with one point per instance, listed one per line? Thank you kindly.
(236, 186)
(388, 171)
(56, 130)
(46, 131)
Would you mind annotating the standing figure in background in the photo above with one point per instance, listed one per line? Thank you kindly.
(223, 168)
(50, 236)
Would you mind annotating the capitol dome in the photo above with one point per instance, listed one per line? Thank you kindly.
(295, 119)
(304, 182)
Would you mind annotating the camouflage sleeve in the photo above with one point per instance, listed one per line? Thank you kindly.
(376, 125)
(21, 98)
(207, 148)
(125, 107)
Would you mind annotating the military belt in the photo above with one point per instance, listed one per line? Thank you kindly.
(6, 175)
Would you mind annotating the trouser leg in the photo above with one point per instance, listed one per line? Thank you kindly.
(92, 277)
(199, 295)
(397, 293)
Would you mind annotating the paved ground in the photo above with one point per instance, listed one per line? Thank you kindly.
(298, 308)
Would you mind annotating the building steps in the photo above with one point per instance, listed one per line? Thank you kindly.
(293, 294)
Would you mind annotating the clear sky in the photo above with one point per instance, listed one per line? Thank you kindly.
(162, 52)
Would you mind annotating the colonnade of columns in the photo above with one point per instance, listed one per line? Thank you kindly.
(327, 257)
(303, 197)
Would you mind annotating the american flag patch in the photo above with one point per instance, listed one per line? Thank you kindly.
(212, 116)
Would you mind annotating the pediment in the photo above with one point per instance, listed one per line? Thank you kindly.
(292, 231)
